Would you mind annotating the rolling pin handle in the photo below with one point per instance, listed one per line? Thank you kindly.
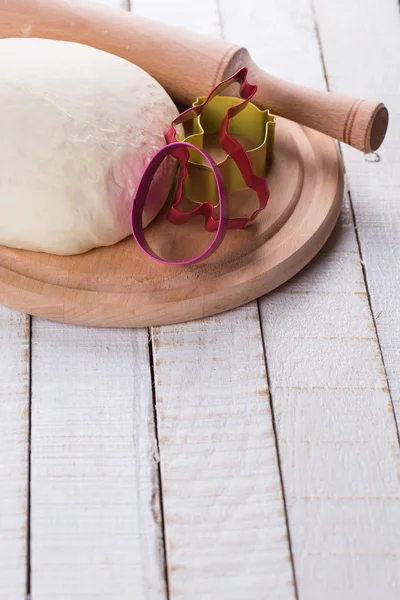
(359, 123)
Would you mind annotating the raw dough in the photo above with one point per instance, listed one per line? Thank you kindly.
(77, 128)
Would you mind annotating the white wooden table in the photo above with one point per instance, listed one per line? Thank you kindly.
(250, 456)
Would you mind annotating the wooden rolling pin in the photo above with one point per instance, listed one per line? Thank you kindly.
(188, 65)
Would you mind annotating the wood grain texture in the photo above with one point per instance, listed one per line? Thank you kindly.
(336, 432)
(194, 64)
(14, 450)
(119, 286)
(223, 509)
(94, 522)
(224, 517)
(374, 180)
(337, 437)
(95, 516)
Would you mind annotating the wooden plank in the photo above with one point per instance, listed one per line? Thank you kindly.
(95, 508)
(371, 68)
(336, 432)
(224, 516)
(182, 13)
(14, 449)
(95, 512)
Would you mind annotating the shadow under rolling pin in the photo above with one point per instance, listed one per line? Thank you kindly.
(188, 65)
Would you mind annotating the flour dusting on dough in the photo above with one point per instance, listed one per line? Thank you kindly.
(78, 127)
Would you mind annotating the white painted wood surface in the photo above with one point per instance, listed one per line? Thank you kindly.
(224, 516)
(367, 61)
(337, 437)
(95, 523)
(336, 431)
(14, 438)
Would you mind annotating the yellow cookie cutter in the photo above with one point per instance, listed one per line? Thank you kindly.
(253, 127)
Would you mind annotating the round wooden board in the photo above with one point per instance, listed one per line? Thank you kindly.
(119, 286)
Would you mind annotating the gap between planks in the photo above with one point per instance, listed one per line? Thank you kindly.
(14, 450)
(373, 182)
(271, 401)
(159, 479)
(28, 525)
(354, 219)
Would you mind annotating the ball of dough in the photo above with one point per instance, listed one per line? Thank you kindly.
(78, 127)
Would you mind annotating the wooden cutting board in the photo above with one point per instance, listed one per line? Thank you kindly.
(118, 286)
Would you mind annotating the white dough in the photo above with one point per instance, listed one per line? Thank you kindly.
(77, 128)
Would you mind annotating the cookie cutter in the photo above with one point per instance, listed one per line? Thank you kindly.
(255, 125)
(228, 117)
(200, 175)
